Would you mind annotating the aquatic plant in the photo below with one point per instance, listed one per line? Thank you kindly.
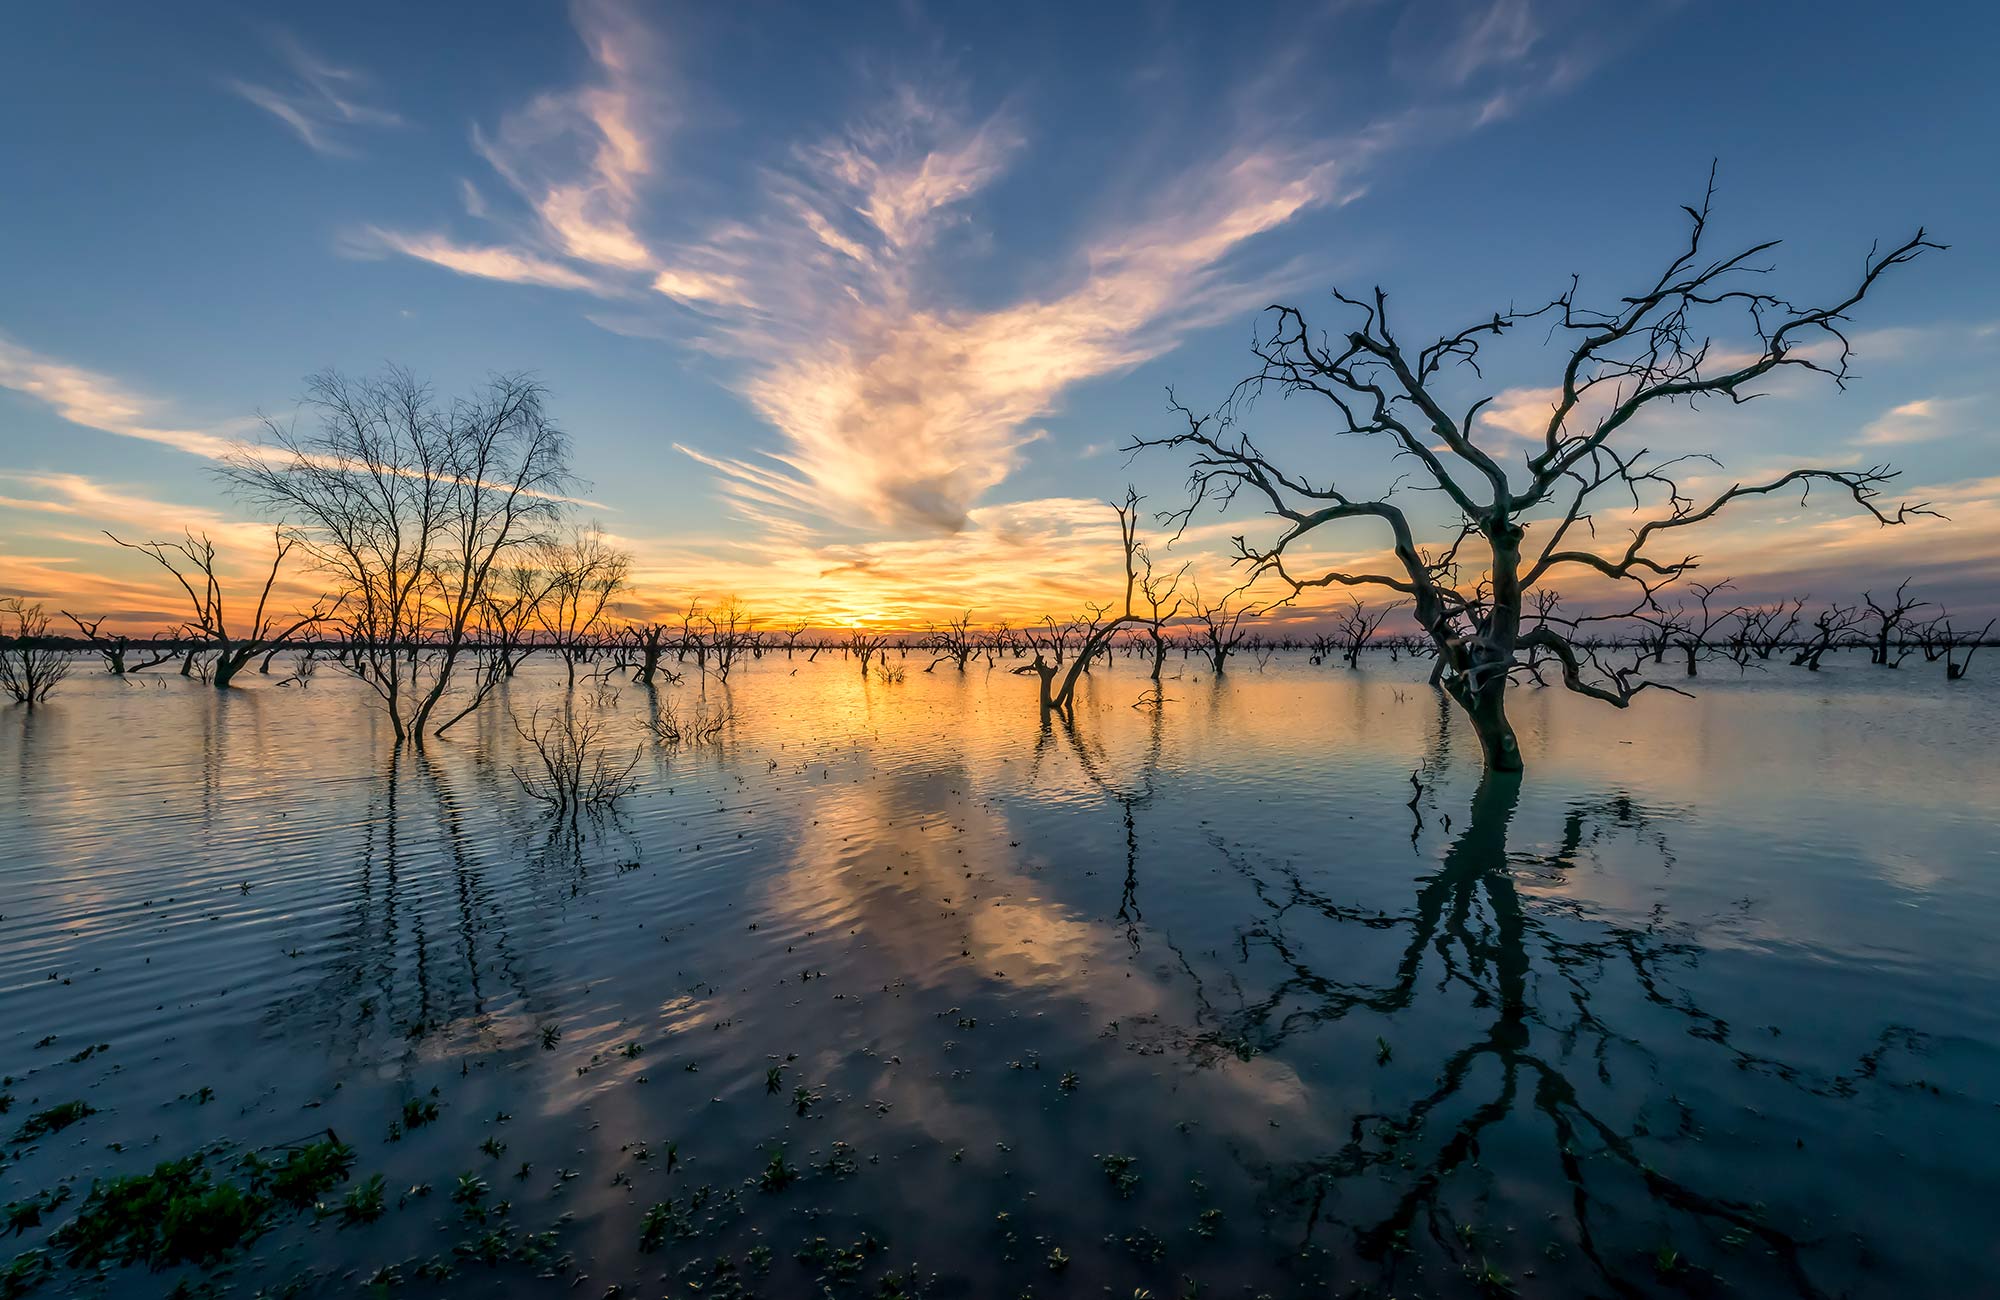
(53, 1120)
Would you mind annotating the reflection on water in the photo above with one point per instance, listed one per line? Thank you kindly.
(1176, 996)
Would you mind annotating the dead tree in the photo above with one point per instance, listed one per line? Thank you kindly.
(1163, 602)
(1692, 628)
(1357, 626)
(192, 561)
(115, 646)
(1938, 639)
(1891, 622)
(31, 665)
(414, 508)
(953, 643)
(1221, 627)
(585, 573)
(1761, 629)
(1832, 628)
(1650, 348)
(729, 633)
(1091, 633)
(864, 646)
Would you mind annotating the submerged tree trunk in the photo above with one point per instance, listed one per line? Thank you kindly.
(1485, 707)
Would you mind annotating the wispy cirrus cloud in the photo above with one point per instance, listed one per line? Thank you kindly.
(99, 402)
(318, 101)
(827, 296)
(486, 261)
(1923, 420)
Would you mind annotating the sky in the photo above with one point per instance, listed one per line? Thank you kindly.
(849, 310)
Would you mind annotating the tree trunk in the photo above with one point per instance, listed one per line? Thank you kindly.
(1487, 708)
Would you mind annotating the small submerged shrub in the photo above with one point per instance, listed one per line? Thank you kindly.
(699, 725)
(576, 770)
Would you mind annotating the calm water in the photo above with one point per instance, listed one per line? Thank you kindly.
(1709, 1004)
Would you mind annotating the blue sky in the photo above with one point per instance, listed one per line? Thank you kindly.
(847, 309)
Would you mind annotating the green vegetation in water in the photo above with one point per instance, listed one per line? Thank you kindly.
(777, 1175)
(53, 1120)
(181, 1213)
(27, 1213)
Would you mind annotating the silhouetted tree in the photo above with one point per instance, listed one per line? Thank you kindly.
(1649, 349)
(30, 665)
(584, 573)
(192, 562)
(414, 508)
(1892, 620)
(1221, 627)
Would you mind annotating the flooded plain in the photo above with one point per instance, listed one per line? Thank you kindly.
(891, 992)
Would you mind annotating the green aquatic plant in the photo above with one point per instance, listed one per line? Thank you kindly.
(1489, 1279)
(777, 1175)
(53, 1120)
(27, 1272)
(1119, 1170)
(27, 1213)
(176, 1214)
(363, 1204)
(304, 1173)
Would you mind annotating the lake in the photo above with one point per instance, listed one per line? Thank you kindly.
(891, 991)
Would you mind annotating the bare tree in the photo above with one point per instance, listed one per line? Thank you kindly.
(1761, 629)
(414, 508)
(1091, 633)
(1650, 349)
(1833, 627)
(115, 646)
(1692, 627)
(953, 642)
(864, 646)
(730, 631)
(192, 561)
(585, 573)
(1163, 602)
(1892, 621)
(1938, 639)
(1221, 627)
(30, 667)
(1357, 626)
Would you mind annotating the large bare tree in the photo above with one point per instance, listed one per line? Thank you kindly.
(415, 507)
(1516, 527)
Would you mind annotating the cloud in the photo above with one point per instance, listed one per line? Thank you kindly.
(1923, 420)
(578, 159)
(826, 297)
(901, 411)
(489, 262)
(97, 402)
(318, 102)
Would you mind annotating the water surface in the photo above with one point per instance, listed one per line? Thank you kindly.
(1183, 998)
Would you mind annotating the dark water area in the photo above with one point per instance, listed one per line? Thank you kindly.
(890, 992)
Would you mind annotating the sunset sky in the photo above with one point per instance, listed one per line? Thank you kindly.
(848, 309)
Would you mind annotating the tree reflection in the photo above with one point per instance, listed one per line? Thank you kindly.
(1533, 972)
